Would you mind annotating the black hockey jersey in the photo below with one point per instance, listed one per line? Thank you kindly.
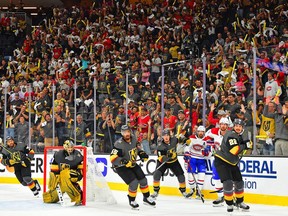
(232, 146)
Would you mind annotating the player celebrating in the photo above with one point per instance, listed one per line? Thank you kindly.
(217, 135)
(234, 143)
(20, 159)
(65, 171)
(123, 157)
(167, 158)
(195, 159)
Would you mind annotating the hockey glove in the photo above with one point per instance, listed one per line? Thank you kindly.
(206, 151)
(249, 144)
(9, 162)
(188, 141)
(126, 162)
(75, 176)
(163, 159)
(186, 157)
(143, 156)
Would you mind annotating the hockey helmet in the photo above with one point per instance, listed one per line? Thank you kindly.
(201, 128)
(166, 132)
(124, 128)
(238, 121)
(9, 138)
(224, 121)
(68, 144)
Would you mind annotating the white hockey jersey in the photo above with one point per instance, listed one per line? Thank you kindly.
(215, 134)
(196, 146)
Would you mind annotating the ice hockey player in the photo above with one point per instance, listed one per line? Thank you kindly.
(167, 158)
(216, 134)
(234, 144)
(20, 159)
(123, 158)
(195, 155)
(65, 172)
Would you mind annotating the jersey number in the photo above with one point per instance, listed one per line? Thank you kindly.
(233, 142)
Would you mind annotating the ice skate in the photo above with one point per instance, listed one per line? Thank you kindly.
(218, 202)
(242, 206)
(37, 185)
(183, 191)
(155, 194)
(36, 194)
(149, 201)
(133, 203)
(190, 194)
(230, 208)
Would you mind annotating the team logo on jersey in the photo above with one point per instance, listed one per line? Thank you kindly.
(133, 154)
(266, 125)
(197, 147)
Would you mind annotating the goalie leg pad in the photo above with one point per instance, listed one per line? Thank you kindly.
(53, 181)
(50, 196)
(73, 190)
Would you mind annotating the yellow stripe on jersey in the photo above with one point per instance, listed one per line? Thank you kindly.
(113, 158)
(54, 167)
(80, 166)
(235, 150)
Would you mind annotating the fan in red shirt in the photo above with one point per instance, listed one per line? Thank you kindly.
(143, 120)
(57, 51)
(169, 120)
(5, 21)
(27, 45)
(133, 118)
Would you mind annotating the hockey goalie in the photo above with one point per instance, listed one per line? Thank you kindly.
(65, 172)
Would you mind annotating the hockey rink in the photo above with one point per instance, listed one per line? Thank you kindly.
(18, 200)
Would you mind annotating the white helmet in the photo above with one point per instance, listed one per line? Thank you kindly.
(201, 128)
(224, 121)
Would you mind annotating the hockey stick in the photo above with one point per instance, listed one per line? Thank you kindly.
(162, 164)
(122, 165)
(6, 149)
(216, 191)
(60, 195)
(16, 155)
(63, 201)
(197, 186)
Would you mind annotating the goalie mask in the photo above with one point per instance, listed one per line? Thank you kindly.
(68, 146)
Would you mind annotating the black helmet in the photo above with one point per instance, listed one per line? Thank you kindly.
(124, 128)
(238, 121)
(9, 138)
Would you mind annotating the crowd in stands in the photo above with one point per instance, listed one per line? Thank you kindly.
(80, 49)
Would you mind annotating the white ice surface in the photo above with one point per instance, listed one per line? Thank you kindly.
(16, 200)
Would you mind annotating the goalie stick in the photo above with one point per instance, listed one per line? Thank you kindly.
(64, 201)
